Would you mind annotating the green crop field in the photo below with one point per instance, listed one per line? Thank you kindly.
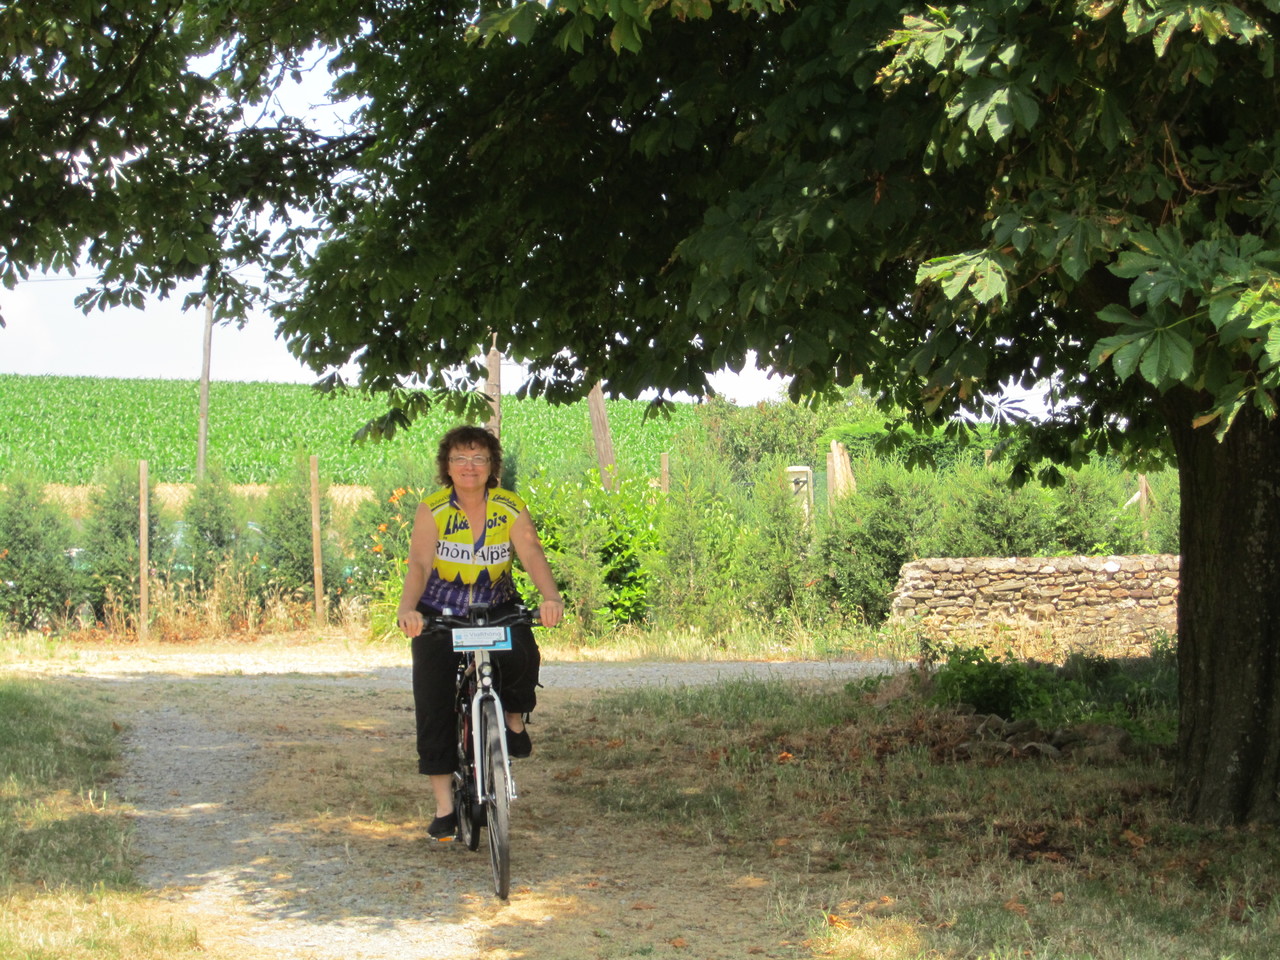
(66, 429)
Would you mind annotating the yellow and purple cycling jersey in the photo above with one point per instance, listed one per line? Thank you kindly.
(471, 567)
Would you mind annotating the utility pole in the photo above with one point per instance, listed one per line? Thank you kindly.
(202, 440)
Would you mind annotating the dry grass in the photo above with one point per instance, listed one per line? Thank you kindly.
(836, 819)
(892, 848)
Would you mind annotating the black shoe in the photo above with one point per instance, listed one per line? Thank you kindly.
(519, 745)
(444, 828)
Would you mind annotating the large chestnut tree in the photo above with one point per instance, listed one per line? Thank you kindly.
(939, 198)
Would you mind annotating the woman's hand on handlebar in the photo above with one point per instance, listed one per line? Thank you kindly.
(551, 612)
(410, 621)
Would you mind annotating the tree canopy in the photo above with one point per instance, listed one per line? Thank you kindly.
(138, 138)
(937, 198)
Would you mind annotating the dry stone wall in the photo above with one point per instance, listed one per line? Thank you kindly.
(1125, 597)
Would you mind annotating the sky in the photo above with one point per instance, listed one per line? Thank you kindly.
(45, 333)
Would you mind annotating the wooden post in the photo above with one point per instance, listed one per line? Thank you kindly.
(144, 526)
(1144, 504)
(833, 479)
(840, 480)
(665, 481)
(493, 388)
(317, 551)
(202, 441)
(600, 433)
(800, 480)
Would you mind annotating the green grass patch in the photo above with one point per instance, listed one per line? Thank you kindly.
(66, 885)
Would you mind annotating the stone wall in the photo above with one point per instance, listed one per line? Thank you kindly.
(1121, 596)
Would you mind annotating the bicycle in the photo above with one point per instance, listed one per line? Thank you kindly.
(483, 787)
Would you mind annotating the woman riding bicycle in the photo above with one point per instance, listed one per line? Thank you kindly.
(460, 554)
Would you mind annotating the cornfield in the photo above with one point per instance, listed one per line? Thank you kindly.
(66, 429)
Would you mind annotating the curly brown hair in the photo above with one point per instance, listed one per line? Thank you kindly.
(467, 436)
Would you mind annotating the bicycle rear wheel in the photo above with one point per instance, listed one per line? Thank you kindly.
(465, 801)
(498, 798)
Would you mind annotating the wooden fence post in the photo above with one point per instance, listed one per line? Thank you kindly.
(493, 388)
(603, 439)
(144, 525)
(665, 481)
(800, 480)
(317, 551)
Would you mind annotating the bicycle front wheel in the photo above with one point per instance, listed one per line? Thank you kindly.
(497, 798)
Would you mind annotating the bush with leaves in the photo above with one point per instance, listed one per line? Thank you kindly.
(286, 536)
(982, 516)
(596, 541)
(112, 548)
(699, 546)
(866, 537)
(379, 551)
(1139, 695)
(795, 433)
(37, 579)
(208, 538)
(770, 561)
(1094, 515)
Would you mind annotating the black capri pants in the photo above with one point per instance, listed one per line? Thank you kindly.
(435, 672)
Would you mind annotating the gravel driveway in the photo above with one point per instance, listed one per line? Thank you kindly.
(254, 882)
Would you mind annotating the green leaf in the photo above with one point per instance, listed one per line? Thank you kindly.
(1118, 315)
(1125, 360)
(1273, 344)
(525, 21)
(1168, 358)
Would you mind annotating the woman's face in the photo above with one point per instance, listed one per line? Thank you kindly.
(469, 467)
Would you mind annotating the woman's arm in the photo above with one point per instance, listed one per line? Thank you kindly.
(422, 554)
(524, 537)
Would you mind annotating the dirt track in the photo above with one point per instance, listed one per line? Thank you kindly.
(277, 810)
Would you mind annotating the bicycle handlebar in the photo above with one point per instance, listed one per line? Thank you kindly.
(480, 616)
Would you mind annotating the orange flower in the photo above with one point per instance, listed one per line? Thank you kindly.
(382, 528)
(377, 548)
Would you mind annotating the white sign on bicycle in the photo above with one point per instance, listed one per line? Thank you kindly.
(481, 638)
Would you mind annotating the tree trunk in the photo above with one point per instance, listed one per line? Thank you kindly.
(1228, 763)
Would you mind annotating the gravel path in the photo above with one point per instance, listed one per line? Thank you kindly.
(258, 883)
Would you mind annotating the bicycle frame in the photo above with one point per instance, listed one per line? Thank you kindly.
(479, 661)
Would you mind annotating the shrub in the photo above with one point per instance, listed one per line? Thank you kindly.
(1139, 695)
(1090, 513)
(982, 516)
(286, 535)
(596, 541)
(209, 535)
(111, 542)
(37, 580)
(698, 537)
(770, 561)
(868, 536)
(1008, 688)
(746, 437)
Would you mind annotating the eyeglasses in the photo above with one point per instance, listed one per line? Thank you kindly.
(478, 461)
